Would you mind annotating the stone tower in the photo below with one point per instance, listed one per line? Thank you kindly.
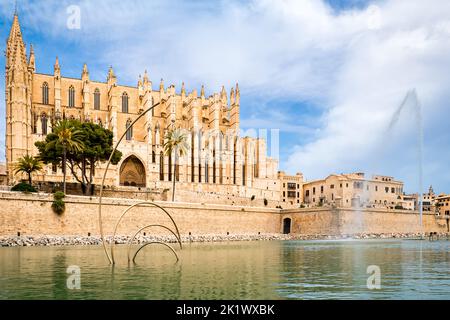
(18, 78)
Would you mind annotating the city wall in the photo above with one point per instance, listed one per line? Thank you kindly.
(327, 221)
(31, 214)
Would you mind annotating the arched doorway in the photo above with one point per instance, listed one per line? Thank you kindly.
(132, 172)
(287, 225)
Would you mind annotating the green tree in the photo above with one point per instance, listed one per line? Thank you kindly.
(28, 164)
(68, 137)
(175, 145)
(96, 147)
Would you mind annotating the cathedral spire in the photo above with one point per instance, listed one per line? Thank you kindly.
(15, 49)
(161, 85)
(223, 94)
(15, 32)
(183, 89)
(202, 92)
(56, 67)
(111, 74)
(145, 77)
(32, 59)
(85, 72)
(238, 94)
(111, 79)
(232, 96)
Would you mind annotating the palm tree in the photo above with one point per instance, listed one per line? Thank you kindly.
(175, 144)
(28, 164)
(69, 139)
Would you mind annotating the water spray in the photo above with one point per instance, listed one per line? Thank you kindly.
(411, 96)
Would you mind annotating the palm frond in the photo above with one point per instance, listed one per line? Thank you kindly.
(28, 164)
(176, 140)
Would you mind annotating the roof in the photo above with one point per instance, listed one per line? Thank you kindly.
(351, 176)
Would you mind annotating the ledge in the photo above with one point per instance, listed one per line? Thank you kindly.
(45, 197)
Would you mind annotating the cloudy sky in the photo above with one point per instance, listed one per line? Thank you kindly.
(331, 75)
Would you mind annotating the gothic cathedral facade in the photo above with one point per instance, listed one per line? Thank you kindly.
(219, 160)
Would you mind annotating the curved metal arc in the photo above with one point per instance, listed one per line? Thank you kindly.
(149, 226)
(104, 178)
(156, 242)
(113, 242)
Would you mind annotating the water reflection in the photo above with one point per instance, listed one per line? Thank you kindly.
(250, 270)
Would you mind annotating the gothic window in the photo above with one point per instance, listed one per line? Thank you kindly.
(44, 121)
(45, 93)
(155, 141)
(214, 166)
(153, 157)
(97, 99)
(192, 158)
(153, 109)
(169, 168)
(125, 102)
(221, 144)
(129, 129)
(234, 161)
(255, 164)
(35, 118)
(161, 166)
(71, 97)
(206, 171)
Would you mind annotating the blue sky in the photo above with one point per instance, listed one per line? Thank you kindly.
(328, 74)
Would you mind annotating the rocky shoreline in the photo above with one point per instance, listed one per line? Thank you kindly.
(31, 241)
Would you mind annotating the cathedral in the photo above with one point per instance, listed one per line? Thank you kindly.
(219, 160)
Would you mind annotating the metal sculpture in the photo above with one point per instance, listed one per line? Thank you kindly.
(176, 233)
(146, 227)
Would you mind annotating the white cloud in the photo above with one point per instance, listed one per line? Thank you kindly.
(356, 64)
(410, 50)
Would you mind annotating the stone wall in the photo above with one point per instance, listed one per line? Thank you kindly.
(368, 221)
(31, 214)
(194, 192)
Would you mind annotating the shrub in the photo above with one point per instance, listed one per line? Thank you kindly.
(59, 195)
(23, 187)
(58, 204)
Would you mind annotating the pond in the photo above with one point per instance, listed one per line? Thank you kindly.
(408, 269)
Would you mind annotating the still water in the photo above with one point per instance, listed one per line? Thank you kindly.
(235, 270)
